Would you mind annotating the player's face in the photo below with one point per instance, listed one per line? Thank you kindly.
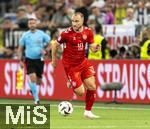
(32, 24)
(77, 22)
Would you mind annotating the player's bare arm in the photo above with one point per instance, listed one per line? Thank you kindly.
(54, 51)
(94, 47)
(47, 49)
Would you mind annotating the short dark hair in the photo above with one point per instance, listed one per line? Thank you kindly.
(79, 13)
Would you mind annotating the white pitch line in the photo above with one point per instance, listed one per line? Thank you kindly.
(113, 108)
(25, 127)
(96, 107)
(98, 127)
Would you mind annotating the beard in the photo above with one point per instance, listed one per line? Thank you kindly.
(77, 28)
(32, 28)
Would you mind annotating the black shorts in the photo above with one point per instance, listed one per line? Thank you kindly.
(34, 66)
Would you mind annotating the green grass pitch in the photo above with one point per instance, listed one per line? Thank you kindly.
(112, 116)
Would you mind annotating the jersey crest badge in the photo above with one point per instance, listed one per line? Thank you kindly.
(84, 36)
(74, 38)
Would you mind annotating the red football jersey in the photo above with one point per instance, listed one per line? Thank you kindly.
(74, 45)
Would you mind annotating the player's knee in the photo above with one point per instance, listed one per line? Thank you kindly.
(81, 93)
(80, 90)
(91, 87)
(39, 81)
(33, 78)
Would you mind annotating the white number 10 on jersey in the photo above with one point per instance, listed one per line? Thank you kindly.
(80, 46)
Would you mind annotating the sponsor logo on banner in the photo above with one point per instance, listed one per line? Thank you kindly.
(9, 83)
(133, 74)
(118, 35)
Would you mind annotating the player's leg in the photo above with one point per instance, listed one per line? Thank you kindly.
(33, 87)
(88, 77)
(74, 81)
(39, 81)
(79, 90)
(31, 71)
(90, 96)
(91, 89)
(39, 71)
(77, 85)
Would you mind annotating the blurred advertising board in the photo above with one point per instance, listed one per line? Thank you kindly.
(133, 74)
(116, 35)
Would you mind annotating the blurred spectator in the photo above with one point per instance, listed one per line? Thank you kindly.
(49, 12)
(1, 38)
(54, 35)
(40, 13)
(134, 50)
(100, 41)
(130, 20)
(131, 51)
(45, 2)
(145, 44)
(33, 1)
(7, 52)
(11, 16)
(98, 3)
(55, 14)
(22, 19)
(113, 54)
(145, 50)
(111, 3)
(8, 24)
(30, 11)
(97, 16)
(61, 18)
(122, 52)
(142, 13)
(24, 2)
(109, 19)
(120, 11)
(89, 2)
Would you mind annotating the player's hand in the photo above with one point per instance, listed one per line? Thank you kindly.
(98, 47)
(21, 64)
(43, 52)
(95, 47)
(54, 63)
(69, 84)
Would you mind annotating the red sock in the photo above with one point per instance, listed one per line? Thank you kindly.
(90, 98)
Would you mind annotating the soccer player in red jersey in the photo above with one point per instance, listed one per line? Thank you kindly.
(79, 71)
